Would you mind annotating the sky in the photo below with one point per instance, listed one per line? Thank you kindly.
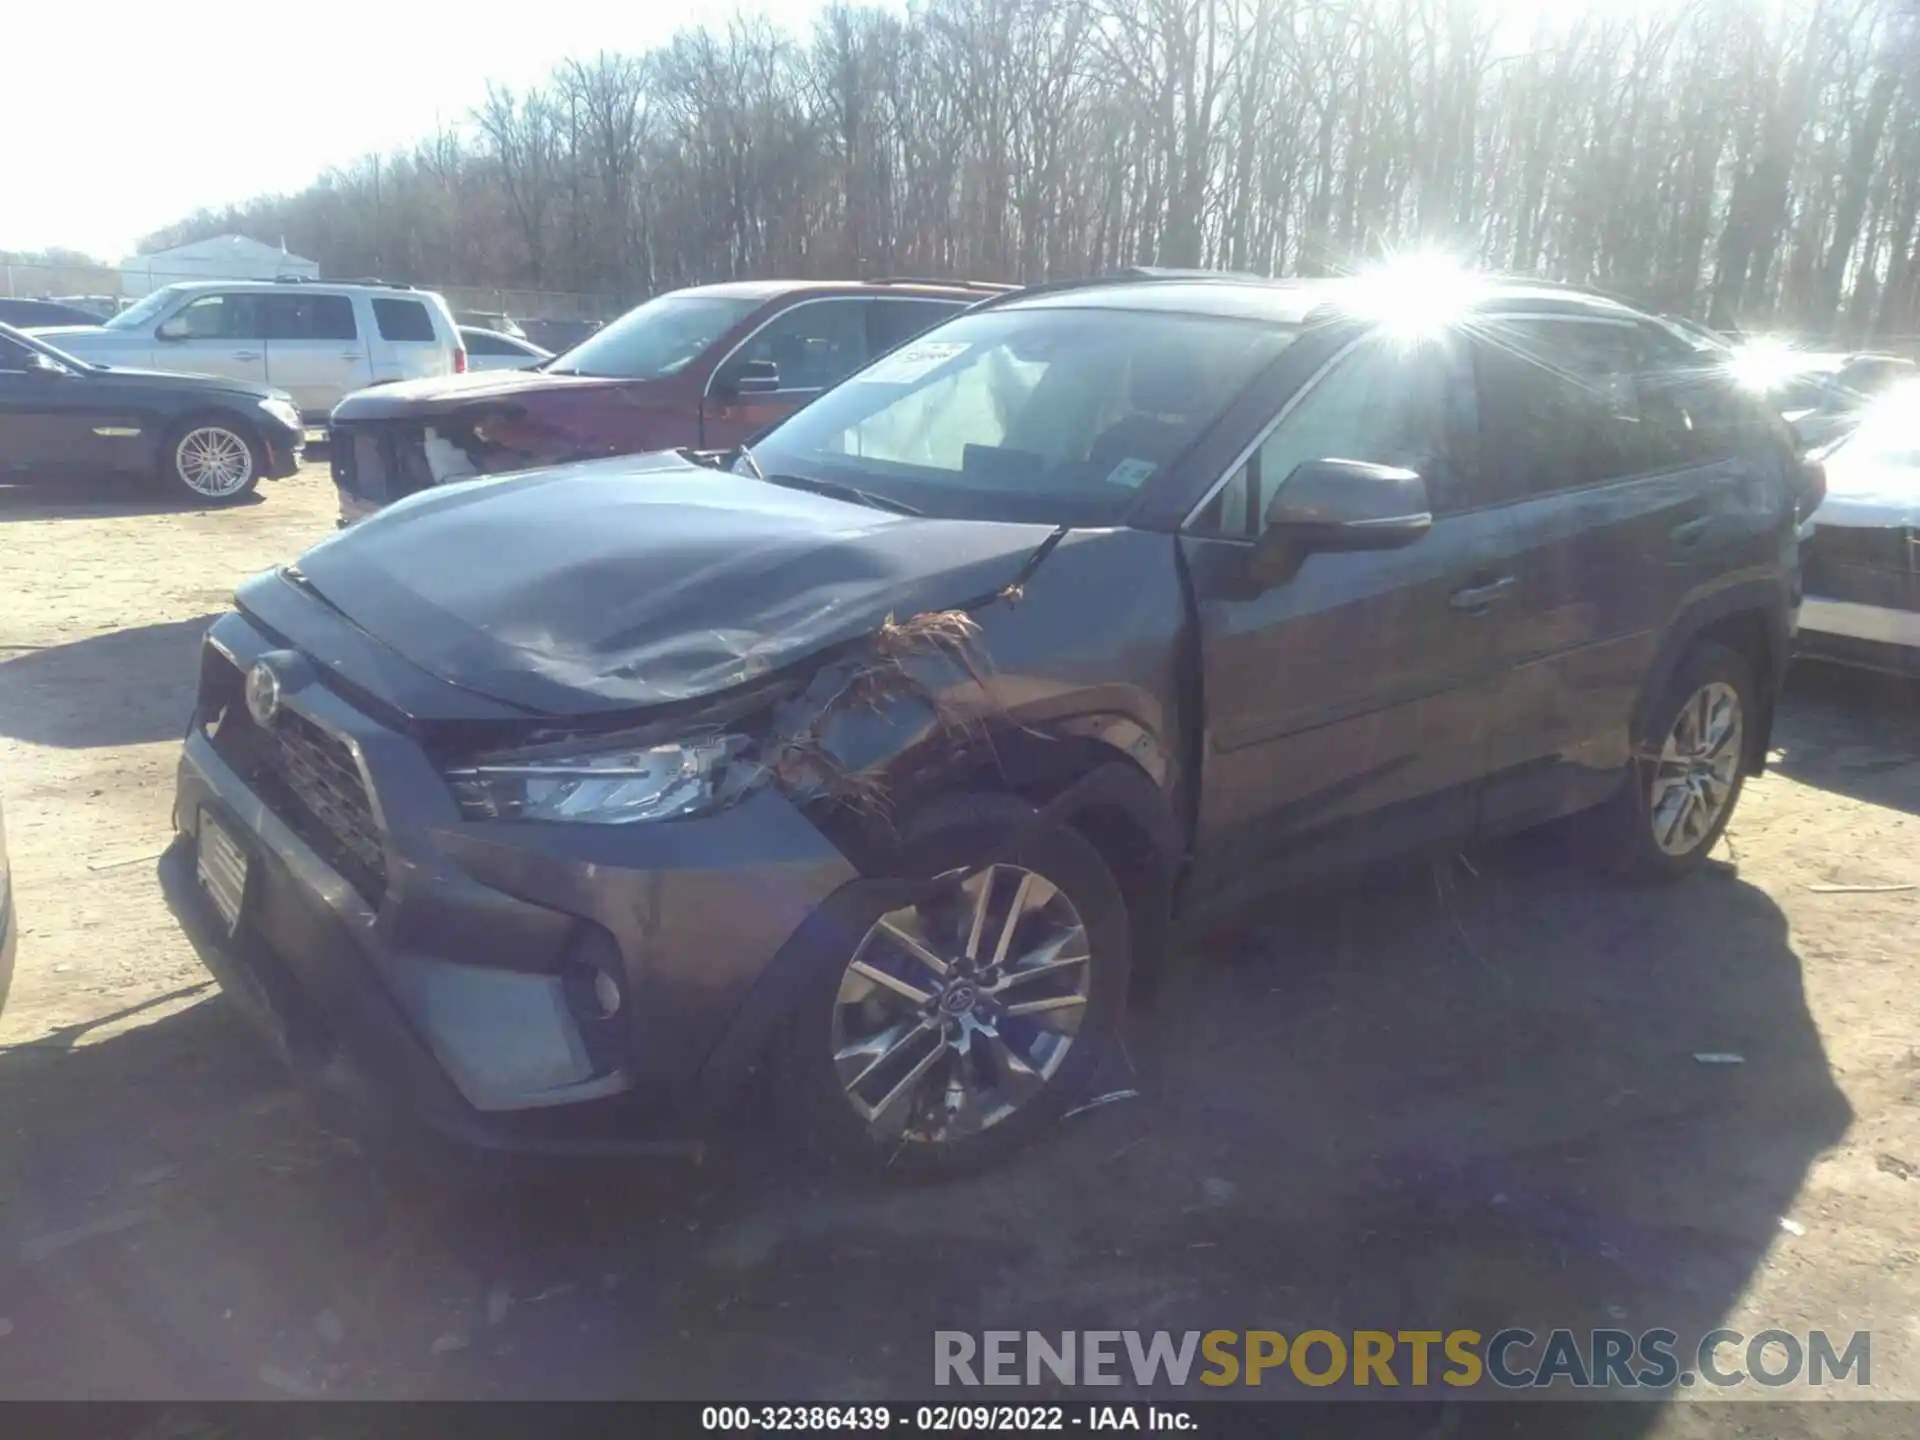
(172, 106)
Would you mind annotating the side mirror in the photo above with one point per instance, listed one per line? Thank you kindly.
(1340, 505)
(174, 329)
(749, 377)
(42, 367)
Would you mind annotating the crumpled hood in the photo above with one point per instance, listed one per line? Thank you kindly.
(642, 580)
(441, 395)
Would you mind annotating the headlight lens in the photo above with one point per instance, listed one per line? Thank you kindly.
(603, 787)
(283, 411)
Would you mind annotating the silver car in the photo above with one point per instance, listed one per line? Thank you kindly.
(317, 340)
(497, 350)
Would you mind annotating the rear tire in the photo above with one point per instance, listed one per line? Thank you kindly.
(1689, 769)
(211, 459)
(937, 1074)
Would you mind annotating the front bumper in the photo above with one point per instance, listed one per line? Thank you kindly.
(285, 449)
(430, 983)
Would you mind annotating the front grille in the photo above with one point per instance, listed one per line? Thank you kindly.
(305, 775)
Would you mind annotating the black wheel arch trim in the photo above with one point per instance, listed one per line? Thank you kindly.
(845, 916)
(1764, 602)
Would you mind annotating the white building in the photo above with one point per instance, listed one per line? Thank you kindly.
(225, 257)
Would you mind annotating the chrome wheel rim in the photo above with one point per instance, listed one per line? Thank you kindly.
(1693, 779)
(955, 1013)
(213, 461)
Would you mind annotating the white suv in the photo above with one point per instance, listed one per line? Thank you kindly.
(318, 340)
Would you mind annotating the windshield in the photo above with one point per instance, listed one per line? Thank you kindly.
(135, 316)
(1054, 415)
(661, 337)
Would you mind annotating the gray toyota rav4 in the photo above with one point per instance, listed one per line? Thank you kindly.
(550, 809)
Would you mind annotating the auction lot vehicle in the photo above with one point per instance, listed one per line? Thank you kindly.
(318, 340)
(549, 808)
(210, 439)
(705, 367)
(1862, 564)
(25, 313)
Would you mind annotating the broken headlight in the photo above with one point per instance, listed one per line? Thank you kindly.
(607, 785)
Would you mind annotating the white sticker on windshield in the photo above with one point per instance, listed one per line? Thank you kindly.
(1131, 473)
(910, 362)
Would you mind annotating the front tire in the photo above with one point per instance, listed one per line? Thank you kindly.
(956, 1030)
(1690, 770)
(213, 460)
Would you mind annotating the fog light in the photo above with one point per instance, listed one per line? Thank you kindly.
(606, 990)
(593, 976)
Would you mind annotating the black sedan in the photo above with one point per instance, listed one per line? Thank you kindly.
(212, 439)
(28, 313)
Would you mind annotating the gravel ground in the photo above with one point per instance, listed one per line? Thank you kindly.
(1453, 1097)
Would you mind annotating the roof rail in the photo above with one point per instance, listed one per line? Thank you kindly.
(1175, 272)
(342, 280)
(993, 285)
(1125, 275)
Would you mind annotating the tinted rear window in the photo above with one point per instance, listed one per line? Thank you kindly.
(403, 320)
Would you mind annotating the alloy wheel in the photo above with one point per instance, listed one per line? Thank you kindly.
(213, 461)
(955, 1013)
(1694, 778)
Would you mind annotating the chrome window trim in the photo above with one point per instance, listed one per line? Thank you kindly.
(1300, 393)
(706, 390)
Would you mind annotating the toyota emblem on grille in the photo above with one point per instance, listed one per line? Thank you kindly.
(263, 693)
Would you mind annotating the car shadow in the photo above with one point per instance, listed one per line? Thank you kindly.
(1853, 732)
(127, 687)
(96, 497)
(1465, 1097)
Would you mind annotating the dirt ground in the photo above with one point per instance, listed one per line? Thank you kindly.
(1449, 1097)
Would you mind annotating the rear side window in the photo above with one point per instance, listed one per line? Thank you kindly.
(1691, 411)
(1559, 403)
(480, 343)
(310, 317)
(893, 322)
(403, 320)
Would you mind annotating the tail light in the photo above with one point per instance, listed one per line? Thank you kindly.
(459, 359)
(1813, 488)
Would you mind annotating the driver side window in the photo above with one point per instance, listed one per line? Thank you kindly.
(814, 344)
(1382, 403)
(219, 317)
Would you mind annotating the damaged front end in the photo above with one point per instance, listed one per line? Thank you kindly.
(825, 738)
(376, 463)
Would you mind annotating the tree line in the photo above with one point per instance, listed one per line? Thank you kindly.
(1749, 162)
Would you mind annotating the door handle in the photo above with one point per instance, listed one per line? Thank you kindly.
(246, 354)
(351, 355)
(1691, 533)
(1478, 597)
